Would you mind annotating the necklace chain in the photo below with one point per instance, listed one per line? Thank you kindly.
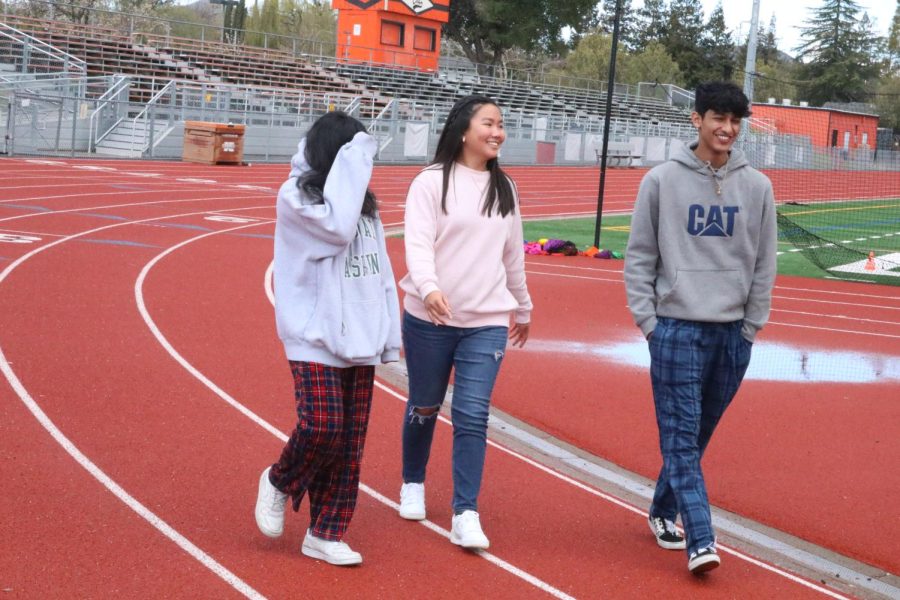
(715, 175)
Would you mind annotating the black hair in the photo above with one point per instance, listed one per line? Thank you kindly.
(722, 97)
(323, 141)
(449, 147)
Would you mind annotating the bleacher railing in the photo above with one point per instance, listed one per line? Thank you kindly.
(316, 50)
(36, 56)
(107, 114)
(146, 121)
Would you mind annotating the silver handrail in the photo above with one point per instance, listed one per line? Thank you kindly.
(44, 48)
(120, 83)
(143, 114)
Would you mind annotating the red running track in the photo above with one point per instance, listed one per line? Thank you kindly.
(76, 346)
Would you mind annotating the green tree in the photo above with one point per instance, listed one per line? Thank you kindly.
(628, 22)
(590, 60)
(775, 80)
(314, 23)
(717, 47)
(486, 29)
(683, 39)
(190, 21)
(893, 41)
(66, 10)
(653, 20)
(145, 7)
(887, 102)
(652, 64)
(837, 54)
(767, 44)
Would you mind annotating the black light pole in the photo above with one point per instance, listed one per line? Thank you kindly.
(606, 119)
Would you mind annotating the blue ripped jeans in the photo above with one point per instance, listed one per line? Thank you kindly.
(696, 369)
(474, 354)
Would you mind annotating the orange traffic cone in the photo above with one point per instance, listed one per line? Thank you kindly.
(870, 263)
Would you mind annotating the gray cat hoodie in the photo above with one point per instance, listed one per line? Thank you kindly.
(698, 255)
(335, 297)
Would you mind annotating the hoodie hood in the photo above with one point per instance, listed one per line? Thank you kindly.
(684, 154)
(703, 243)
(299, 166)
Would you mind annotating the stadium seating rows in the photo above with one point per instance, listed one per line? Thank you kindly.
(158, 59)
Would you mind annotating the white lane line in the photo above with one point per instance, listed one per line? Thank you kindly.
(778, 288)
(642, 512)
(846, 317)
(491, 558)
(151, 325)
(835, 292)
(836, 302)
(574, 482)
(835, 330)
(159, 524)
(531, 271)
(95, 194)
(150, 203)
(129, 500)
(774, 310)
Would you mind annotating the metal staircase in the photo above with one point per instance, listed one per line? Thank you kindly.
(132, 139)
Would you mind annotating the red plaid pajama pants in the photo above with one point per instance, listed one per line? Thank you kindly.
(323, 455)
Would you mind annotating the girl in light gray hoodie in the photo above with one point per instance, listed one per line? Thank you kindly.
(338, 316)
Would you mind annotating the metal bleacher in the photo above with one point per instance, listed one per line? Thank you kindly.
(162, 58)
(157, 60)
(164, 80)
(523, 97)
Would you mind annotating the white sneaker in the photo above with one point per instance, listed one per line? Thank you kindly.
(335, 553)
(466, 531)
(270, 507)
(412, 501)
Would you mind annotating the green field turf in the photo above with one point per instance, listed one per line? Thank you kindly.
(854, 228)
(859, 226)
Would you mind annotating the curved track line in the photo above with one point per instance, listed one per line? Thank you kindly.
(574, 482)
(630, 507)
(839, 293)
(148, 320)
(150, 203)
(138, 292)
(159, 524)
(104, 479)
(832, 329)
(849, 318)
(116, 193)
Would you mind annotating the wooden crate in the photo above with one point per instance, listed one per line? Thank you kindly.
(213, 143)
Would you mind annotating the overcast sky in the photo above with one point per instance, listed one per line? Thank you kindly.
(790, 16)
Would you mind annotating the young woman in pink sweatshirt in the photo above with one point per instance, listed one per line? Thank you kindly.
(465, 295)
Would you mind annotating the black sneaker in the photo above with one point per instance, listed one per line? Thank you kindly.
(703, 560)
(666, 535)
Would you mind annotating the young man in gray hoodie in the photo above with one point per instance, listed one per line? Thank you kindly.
(699, 271)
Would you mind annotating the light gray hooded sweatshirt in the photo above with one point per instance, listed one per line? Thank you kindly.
(335, 297)
(697, 255)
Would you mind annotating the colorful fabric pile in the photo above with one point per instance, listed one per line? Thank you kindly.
(550, 246)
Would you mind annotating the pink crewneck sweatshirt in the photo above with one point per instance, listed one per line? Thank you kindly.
(478, 262)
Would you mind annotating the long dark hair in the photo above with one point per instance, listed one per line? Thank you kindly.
(500, 189)
(323, 141)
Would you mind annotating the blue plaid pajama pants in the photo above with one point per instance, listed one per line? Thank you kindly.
(323, 455)
(695, 369)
